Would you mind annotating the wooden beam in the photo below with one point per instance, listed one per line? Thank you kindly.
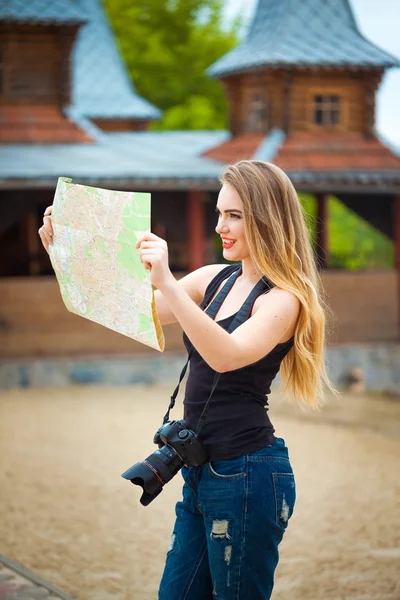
(196, 230)
(32, 241)
(287, 88)
(396, 220)
(322, 230)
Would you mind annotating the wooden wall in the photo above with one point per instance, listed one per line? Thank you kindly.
(241, 89)
(122, 124)
(35, 64)
(34, 321)
(365, 305)
(350, 89)
(290, 98)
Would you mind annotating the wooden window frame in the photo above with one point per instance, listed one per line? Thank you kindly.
(343, 109)
(259, 95)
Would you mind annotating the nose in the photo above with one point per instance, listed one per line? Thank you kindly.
(222, 226)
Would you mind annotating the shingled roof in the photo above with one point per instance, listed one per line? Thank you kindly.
(41, 12)
(305, 33)
(101, 87)
(101, 84)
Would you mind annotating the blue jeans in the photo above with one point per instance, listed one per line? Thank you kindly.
(228, 527)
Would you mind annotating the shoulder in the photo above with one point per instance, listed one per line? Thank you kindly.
(206, 274)
(197, 282)
(284, 302)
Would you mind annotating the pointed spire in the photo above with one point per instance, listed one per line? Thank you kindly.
(303, 33)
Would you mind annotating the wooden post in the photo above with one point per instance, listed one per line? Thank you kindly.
(396, 215)
(322, 230)
(287, 85)
(196, 230)
(32, 241)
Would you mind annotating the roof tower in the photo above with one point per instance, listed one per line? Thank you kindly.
(101, 86)
(306, 33)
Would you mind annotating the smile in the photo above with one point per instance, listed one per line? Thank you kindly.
(227, 243)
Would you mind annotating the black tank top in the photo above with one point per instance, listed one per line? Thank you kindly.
(237, 421)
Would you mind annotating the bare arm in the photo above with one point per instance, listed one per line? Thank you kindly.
(194, 284)
(252, 340)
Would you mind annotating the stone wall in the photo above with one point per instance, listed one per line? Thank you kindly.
(379, 363)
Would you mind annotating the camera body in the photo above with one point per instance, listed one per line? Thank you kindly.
(183, 440)
(178, 445)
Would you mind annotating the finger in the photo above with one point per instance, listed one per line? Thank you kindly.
(150, 245)
(147, 265)
(140, 240)
(153, 259)
(48, 225)
(148, 236)
(48, 210)
(47, 238)
(46, 235)
(156, 252)
(43, 240)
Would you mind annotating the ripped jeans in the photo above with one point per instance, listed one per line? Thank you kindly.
(228, 527)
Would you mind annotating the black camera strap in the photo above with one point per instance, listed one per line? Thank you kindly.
(240, 318)
(212, 311)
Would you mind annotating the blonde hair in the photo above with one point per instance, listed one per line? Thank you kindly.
(281, 250)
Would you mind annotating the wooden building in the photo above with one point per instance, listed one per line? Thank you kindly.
(301, 90)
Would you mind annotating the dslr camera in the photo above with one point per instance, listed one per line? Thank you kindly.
(178, 445)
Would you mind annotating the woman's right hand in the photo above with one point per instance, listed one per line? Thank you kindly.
(46, 231)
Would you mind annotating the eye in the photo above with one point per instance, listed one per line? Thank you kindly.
(231, 215)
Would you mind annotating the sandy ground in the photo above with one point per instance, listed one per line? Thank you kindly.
(67, 515)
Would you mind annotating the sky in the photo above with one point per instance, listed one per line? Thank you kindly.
(378, 21)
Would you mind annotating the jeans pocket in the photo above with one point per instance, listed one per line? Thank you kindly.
(285, 497)
(230, 468)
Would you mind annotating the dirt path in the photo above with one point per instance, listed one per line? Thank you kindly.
(67, 515)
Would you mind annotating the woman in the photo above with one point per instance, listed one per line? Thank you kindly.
(267, 315)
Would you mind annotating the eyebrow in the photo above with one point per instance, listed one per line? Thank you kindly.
(230, 210)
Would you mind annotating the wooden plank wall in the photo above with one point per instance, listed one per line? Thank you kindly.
(296, 88)
(350, 88)
(34, 321)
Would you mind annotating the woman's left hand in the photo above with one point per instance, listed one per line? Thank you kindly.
(154, 255)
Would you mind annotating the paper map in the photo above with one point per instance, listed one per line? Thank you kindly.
(96, 262)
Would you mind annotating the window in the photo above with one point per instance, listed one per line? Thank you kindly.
(327, 109)
(257, 117)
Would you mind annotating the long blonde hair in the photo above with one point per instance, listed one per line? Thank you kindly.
(281, 250)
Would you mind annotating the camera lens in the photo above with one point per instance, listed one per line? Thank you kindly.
(154, 472)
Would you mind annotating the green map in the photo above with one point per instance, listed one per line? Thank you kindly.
(96, 261)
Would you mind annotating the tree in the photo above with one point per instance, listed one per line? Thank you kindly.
(354, 244)
(168, 45)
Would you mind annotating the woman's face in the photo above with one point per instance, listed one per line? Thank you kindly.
(230, 224)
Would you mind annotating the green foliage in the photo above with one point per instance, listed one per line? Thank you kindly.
(310, 214)
(354, 244)
(196, 112)
(168, 46)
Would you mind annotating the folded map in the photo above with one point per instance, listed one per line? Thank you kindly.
(96, 261)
